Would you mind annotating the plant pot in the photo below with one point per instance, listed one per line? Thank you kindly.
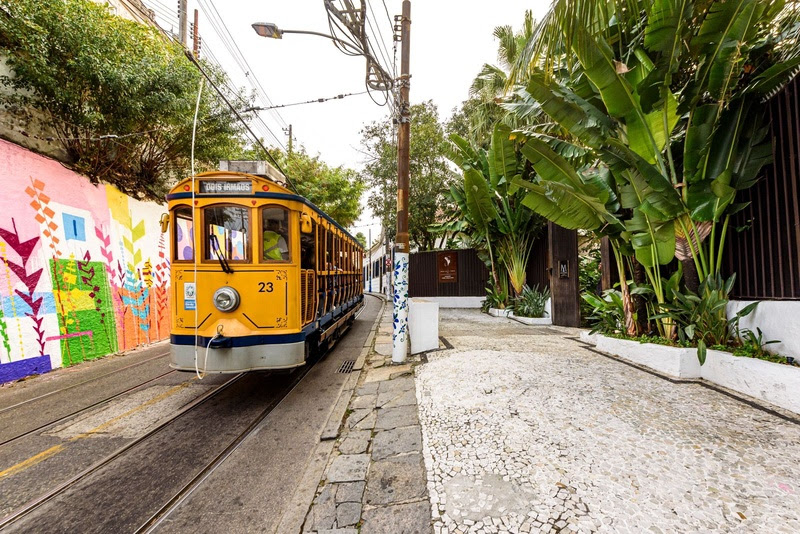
(497, 312)
(531, 320)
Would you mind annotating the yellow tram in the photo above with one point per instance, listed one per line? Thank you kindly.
(261, 278)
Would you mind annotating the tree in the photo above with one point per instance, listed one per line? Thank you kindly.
(361, 238)
(476, 118)
(430, 175)
(335, 190)
(119, 96)
(665, 97)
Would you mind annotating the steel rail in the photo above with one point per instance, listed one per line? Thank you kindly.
(26, 401)
(155, 520)
(180, 497)
(39, 501)
(86, 408)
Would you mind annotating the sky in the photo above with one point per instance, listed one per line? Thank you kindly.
(450, 41)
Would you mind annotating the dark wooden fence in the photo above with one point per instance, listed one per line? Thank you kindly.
(473, 276)
(766, 254)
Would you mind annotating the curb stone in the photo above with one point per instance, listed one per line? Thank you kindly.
(375, 479)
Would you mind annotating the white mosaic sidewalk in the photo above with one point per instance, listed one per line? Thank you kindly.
(529, 433)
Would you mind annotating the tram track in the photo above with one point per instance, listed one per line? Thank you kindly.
(85, 408)
(38, 502)
(72, 386)
(144, 485)
(157, 518)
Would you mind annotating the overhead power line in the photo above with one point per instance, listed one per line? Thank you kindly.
(314, 101)
(225, 99)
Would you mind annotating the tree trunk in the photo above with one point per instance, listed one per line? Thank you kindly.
(639, 303)
(690, 277)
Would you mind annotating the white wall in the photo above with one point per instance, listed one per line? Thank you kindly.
(777, 319)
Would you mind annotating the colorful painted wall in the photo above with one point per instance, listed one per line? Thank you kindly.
(84, 269)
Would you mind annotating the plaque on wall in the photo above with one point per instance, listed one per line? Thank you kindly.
(447, 264)
(563, 268)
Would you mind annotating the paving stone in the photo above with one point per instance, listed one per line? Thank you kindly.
(368, 423)
(348, 514)
(349, 492)
(355, 442)
(339, 531)
(396, 479)
(396, 441)
(348, 468)
(587, 444)
(383, 348)
(384, 373)
(398, 384)
(393, 400)
(370, 388)
(410, 518)
(323, 511)
(396, 417)
(355, 416)
(363, 401)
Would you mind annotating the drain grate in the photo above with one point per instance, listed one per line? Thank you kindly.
(347, 366)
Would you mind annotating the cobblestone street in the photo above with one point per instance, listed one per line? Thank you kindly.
(525, 430)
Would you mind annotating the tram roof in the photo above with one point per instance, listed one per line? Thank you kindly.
(275, 191)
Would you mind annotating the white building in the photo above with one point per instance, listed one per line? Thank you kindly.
(377, 269)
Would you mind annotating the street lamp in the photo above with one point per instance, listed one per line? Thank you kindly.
(377, 78)
(270, 29)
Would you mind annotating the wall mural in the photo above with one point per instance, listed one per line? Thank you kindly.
(84, 269)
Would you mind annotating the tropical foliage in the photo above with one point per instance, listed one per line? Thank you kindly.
(119, 97)
(659, 123)
(430, 175)
(489, 208)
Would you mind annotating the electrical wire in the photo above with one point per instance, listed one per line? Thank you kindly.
(314, 101)
(236, 112)
(194, 229)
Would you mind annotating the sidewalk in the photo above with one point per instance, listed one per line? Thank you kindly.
(524, 429)
(375, 478)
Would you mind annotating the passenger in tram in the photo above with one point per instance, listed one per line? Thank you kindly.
(275, 246)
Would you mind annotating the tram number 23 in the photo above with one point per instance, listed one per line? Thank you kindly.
(265, 287)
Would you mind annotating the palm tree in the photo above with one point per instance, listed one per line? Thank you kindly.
(491, 85)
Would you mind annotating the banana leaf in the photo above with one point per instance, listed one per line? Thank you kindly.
(479, 198)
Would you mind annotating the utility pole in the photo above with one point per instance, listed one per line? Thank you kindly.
(196, 35)
(289, 132)
(182, 13)
(369, 255)
(401, 246)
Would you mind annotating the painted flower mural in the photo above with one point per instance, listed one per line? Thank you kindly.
(79, 279)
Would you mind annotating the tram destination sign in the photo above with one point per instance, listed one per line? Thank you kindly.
(226, 187)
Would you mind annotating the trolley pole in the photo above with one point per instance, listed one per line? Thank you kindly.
(401, 247)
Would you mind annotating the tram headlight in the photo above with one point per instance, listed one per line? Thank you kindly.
(226, 299)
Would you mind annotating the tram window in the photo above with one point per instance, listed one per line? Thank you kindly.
(226, 233)
(308, 248)
(321, 247)
(329, 251)
(275, 232)
(183, 234)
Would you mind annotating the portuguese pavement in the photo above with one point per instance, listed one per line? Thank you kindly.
(515, 428)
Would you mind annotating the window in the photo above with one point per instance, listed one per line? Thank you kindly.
(308, 248)
(321, 248)
(226, 233)
(329, 251)
(183, 234)
(275, 234)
